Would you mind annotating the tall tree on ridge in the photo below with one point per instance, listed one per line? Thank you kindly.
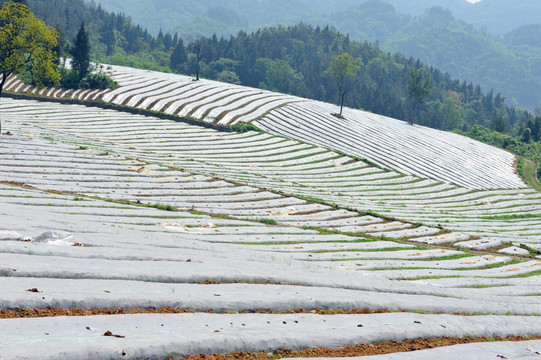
(342, 67)
(195, 45)
(80, 52)
(418, 89)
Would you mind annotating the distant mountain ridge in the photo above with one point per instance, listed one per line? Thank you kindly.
(509, 65)
(496, 16)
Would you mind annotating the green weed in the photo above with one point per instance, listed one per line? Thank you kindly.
(267, 221)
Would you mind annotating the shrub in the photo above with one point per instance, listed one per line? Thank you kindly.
(268, 221)
(244, 127)
(97, 79)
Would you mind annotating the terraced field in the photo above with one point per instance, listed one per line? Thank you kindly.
(165, 239)
(288, 166)
(414, 150)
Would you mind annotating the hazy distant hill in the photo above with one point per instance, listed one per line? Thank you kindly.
(222, 17)
(510, 66)
(497, 16)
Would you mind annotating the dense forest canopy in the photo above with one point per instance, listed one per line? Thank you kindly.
(110, 33)
(458, 48)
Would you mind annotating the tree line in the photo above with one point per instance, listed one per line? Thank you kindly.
(293, 60)
(112, 37)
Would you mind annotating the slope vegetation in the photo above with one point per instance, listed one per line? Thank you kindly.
(460, 38)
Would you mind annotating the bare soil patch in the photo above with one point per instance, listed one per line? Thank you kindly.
(379, 348)
(52, 312)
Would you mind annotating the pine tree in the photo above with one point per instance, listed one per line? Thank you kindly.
(178, 57)
(60, 46)
(109, 37)
(418, 89)
(80, 52)
(167, 41)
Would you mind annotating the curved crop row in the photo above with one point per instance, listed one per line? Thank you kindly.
(391, 143)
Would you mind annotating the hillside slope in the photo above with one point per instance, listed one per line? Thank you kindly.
(290, 167)
(394, 144)
(494, 15)
(174, 239)
(169, 221)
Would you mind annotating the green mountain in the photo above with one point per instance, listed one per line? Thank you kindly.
(496, 16)
(507, 66)
(208, 16)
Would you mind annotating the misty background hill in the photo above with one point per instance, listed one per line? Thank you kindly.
(494, 42)
(497, 16)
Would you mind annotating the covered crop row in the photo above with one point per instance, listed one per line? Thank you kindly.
(273, 162)
(415, 150)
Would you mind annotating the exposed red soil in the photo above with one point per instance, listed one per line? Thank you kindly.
(379, 348)
(102, 94)
(13, 183)
(52, 312)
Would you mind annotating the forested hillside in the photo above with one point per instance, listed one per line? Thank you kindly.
(112, 36)
(458, 48)
(467, 50)
(292, 60)
(497, 16)
(509, 65)
(224, 17)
